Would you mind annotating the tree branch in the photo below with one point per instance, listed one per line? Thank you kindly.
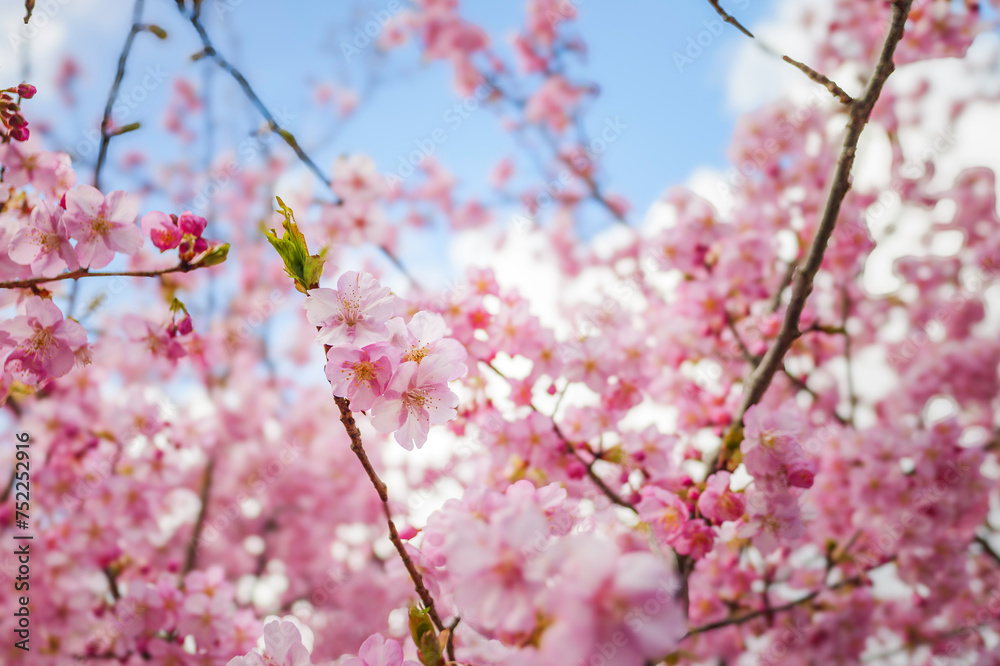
(288, 137)
(802, 283)
(102, 153)
(728, 18)
(821, 79)
(83, 272)
(191, 557)
(813, 75)
(347, 418)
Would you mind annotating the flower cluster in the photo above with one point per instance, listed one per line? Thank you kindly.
(15, 127)
(397, 369)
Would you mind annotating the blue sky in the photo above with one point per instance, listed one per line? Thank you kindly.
(676, 120)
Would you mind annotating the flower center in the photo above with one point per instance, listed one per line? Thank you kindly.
(100, 226)
(40, 341)
(363, 372)
(416, 354)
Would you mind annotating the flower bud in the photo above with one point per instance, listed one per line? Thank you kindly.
(26, 90)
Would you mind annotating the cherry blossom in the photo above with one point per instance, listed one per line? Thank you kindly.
(355, 312)
(102, 225)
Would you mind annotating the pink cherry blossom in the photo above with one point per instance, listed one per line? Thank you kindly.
(664, 511)
(360, 375)
(379, 651)
(416, 398)
(354, 313)
(718, 503)
(282, 647)
(422, 340)
(44, 343)
(162, 229)
(44, 243)
(102, 225)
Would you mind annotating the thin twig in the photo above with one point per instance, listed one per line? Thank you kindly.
(813, 75)
(347, 418)
(209, 50)
(106, 135)
(191, 557)
(802, 283)
(821, 79)
(746, 617)
(83, 272)
(786, 280)
(112, 583)
(728, 18)
(988, 548)
(852, 394)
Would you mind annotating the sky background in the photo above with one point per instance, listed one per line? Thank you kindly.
(677, 118)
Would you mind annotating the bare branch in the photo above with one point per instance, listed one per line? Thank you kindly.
(821, 79)
(210, 51)
(802, 282)
(191, 556)
(83, 272)
(728, 18)
(106, 134)
(347, 418)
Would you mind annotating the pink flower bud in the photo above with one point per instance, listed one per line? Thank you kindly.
(20, 134)
(161, 230)
(184, 326)
(191, 223)
(26, 90)
(17, 120)
(801, 473)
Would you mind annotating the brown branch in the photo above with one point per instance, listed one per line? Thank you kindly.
(729, 18)
(102, 153)
(112, 583)
(821, 79)
(786, 280)
(852, 394)
(210, 51)
(802, 283)
(813, 75)
(182, 267)
(598, 481)
(747, 354)
(347, 418)
(770, 610)
(988, 548)
(191, 557)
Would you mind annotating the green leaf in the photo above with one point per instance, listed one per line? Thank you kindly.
(176, 306)
(429, 649)
(125, 129)
(214, 256)
(302, 267)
